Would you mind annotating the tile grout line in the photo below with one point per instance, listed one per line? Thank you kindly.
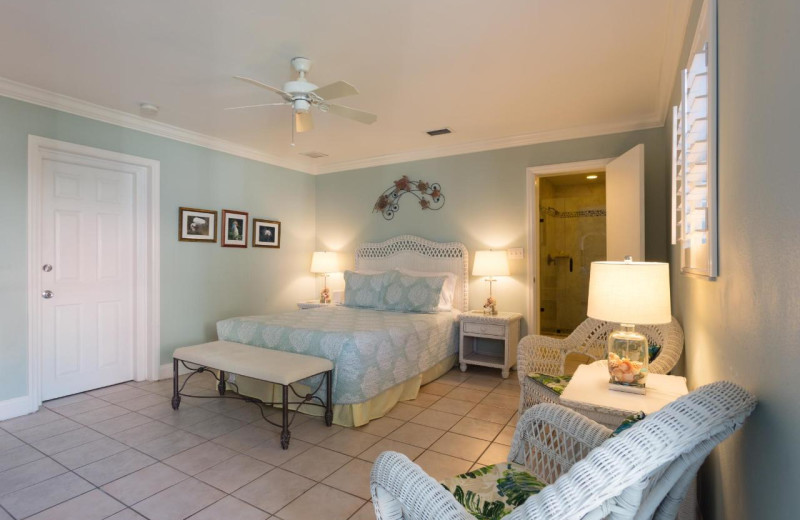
(187, 429)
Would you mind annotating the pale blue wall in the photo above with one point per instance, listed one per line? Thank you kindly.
(485, 202)
(745, 326)
(200, 283)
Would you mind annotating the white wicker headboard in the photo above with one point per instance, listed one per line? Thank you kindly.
(419, 254)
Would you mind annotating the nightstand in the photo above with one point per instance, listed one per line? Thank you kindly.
(588, 394)
(489, 340)
(313, 304)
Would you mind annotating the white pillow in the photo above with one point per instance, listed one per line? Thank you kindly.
(448, 289)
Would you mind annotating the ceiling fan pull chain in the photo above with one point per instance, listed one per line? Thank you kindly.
(293, 125)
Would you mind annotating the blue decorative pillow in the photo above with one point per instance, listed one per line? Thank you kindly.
(408, 293)
(628, 422)
(364, 290)
(653, 350)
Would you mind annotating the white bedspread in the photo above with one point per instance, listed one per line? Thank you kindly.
(372, 350)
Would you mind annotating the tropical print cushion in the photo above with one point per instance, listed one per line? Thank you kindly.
(653, 351)
(407, 293)
(555, 383)
(493, 491)
(628, 422)
(364, 290)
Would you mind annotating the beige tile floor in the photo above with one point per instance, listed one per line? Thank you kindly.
(122, 453)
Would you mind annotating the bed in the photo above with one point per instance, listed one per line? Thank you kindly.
(380, 357)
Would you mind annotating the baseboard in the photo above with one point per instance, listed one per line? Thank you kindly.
(16, 407)
(165, 371)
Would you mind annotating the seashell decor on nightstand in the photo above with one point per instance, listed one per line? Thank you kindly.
(429, 195)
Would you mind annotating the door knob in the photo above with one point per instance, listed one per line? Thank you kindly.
(47, 268)
(47, 294)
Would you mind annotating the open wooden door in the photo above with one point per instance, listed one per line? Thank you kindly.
(625, 206)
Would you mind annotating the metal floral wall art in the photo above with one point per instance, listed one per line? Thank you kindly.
(429, 195)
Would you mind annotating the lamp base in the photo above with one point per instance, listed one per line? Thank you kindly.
(490, 307)
(325, 296)
(627, 388)
(627, 360)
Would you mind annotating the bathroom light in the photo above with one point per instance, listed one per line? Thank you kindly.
(591, 177)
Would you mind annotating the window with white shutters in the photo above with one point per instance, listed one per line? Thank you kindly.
(694, 154)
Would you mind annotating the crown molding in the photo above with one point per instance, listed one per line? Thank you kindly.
(654, 121)
(46, 98)
(78, 107)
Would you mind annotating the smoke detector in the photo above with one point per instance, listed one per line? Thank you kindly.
(148, 109)
(314, 155)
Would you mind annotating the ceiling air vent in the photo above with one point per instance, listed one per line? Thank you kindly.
(314, 155)
(441, 131)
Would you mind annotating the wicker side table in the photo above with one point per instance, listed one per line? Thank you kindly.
(588, 394)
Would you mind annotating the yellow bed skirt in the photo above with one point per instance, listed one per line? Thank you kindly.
(351, 414)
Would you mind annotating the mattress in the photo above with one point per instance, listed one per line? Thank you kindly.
(371, 350)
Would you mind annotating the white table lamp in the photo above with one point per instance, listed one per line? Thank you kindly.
(629, 293)
(490, 264)
(325, 263)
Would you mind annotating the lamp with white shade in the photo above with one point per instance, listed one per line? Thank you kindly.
(325, 263)
(490, 264)
(629, 293)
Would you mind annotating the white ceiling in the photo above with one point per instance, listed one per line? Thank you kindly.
(498, 73)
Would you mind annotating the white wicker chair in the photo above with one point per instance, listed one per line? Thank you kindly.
(547, 355)
(641, 474)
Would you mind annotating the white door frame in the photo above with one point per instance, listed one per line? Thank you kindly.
(532, 175)
(147, 282)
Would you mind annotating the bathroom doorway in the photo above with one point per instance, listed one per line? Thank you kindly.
(570, 218)
(572, 235)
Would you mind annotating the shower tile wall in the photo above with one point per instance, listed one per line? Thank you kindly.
(572, 227)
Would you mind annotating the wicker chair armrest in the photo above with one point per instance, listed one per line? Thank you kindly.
(536, 353)
(550, 438)
(671, 350)
(402, 490)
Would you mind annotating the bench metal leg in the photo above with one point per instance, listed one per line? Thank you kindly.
(221, 385)
(176, 398)
(328, 398)
(285, 435)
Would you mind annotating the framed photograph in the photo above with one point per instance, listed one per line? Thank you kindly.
(266, 233)
(234, 228)
(197, 225)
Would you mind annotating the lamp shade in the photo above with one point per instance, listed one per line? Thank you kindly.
(490, 263)
(324, 262)
(630, 292)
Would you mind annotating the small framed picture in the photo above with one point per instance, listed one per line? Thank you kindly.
(234, 228)
(266, 233)
(197, 225)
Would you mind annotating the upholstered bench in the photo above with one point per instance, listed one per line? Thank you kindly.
(273, 366)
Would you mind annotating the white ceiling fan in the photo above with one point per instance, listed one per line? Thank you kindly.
(301, 95)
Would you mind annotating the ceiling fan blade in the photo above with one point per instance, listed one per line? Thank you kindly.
(259, 105)
(336, 90)
(303, 121)
(351, 113)
(284, 95)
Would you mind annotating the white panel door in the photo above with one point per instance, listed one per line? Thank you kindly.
(625, 206)
(88, 239)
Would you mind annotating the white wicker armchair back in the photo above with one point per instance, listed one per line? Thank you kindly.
(653, 462)
(639, 475)
(419, 254)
